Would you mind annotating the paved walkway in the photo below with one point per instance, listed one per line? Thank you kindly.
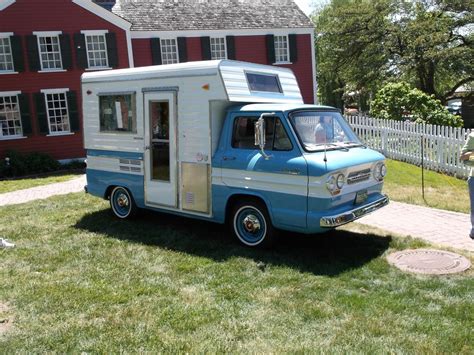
(436, 226)
(41, 192)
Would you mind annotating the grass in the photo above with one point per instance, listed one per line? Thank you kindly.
(81, 281)
(403, 183)
(26, 183)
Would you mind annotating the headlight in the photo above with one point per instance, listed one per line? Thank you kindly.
(331, 183)
(380, 171)
(340, 180)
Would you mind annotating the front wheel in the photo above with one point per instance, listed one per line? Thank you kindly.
(122, 203)
(252, 225)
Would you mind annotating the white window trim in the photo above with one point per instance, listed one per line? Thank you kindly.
(39, 34)
(57, 91)
(225, 44)
(177, 47)
(96, 33)
(8, 35)
(18, 136)
(287, 49)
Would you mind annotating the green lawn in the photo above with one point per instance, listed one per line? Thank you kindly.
(20, 184)
(403, 183)
(81, 281)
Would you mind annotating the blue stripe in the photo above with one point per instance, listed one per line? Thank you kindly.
(114, 154)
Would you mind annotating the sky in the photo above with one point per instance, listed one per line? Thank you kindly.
(308, 5)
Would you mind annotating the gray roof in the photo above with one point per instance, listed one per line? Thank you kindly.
(176, 15)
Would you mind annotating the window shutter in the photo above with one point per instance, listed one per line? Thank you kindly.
(230, 42)
(270, 42)
(206, 48)
(293, 48)
(65, 43)
(41, 113)
(182, 50)
(23, 101)
(73, 113)
(33, 54)
(81, 50)
(112, 53)
(17, 52)
(155, 51)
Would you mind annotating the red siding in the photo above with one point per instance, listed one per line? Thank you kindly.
(248, 49)
(25, 17)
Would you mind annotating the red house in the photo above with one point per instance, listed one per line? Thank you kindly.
(43, 55)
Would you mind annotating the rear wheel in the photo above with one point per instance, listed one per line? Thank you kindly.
(121, 202)
(252, 225)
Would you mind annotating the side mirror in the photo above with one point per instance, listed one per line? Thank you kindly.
(260, 133)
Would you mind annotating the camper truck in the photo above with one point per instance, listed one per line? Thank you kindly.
(229, 142)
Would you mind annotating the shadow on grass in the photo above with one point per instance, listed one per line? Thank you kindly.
(327, 254)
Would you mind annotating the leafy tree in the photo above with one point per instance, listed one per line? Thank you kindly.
(399, 101)
(428, 43)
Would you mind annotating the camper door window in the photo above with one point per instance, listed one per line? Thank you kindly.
(118, 113)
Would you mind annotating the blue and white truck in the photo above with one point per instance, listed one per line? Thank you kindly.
(229, 142)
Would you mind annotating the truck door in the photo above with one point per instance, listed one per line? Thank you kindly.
(281, 179)
(161, 151)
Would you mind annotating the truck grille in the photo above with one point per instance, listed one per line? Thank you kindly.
(358, 176)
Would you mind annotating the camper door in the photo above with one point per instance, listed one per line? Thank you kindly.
(160, 152)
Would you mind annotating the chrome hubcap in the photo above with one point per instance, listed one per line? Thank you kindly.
(251, 223)
(122, 201)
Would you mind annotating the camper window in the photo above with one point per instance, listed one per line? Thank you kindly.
(118, 113)
(275, 135)
(263, 82)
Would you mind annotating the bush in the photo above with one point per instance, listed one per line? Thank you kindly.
(398, 101)
(27, 164)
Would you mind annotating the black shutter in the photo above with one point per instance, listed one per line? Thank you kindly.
(112, 53)
(182, 50)
(66, 56)
(155, 51)
(23, 101)
(230, 42)
(206, 48)
(270, 42)
(81, 50)
(33, 54)
(41, 113)
(293, 48)
(73, 113)
(17, 52)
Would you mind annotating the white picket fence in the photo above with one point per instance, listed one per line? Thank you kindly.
(405, 141)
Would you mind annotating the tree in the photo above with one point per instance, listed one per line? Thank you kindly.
(399, 101)
(428, 43)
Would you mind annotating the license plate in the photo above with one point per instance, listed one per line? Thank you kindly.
(361, 196)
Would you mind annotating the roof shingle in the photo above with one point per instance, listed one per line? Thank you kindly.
(178, 15)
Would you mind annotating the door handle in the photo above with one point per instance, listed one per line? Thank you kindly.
(291, 171)
(228, 158)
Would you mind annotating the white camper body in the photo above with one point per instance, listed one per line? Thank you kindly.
(197, 96)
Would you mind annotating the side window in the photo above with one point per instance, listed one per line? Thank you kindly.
(118, 113)
(243, 135)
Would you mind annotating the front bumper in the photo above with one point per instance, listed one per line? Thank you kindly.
(349, 216)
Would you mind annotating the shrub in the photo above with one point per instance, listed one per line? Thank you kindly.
(26, 164)
(398, 101)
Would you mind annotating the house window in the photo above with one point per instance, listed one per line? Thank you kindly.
(96, 51)
(281, 49)
(10, 118)
(118, 113)
(218, 49)
(169, 51)
(6, 57)
(50, 52)
(57, 112)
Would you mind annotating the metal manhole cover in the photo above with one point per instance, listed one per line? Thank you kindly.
(429, 261)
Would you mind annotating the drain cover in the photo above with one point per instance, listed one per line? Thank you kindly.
(429, 261)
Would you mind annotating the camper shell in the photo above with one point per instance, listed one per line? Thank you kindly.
(181, 138)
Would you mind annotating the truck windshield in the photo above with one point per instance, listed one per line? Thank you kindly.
(319, 130)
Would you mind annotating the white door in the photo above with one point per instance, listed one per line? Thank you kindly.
(160, 152)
